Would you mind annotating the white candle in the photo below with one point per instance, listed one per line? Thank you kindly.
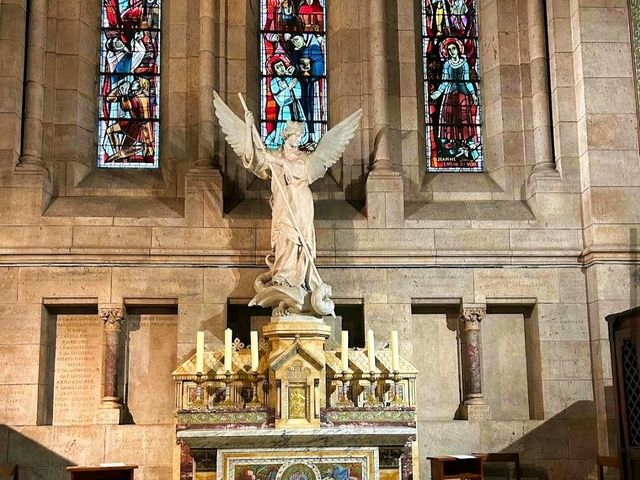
(254, 351)
(200, 352)
(228, 349)
(371, 350)
(345, 350)
(395, 357)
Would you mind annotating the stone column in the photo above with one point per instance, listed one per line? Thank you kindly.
(110, 406)
(203, 181)
(206, 84)
(33, 125)
(379, 80)
(186, 461)
(474, 405)
(384, 188)
(540, 95)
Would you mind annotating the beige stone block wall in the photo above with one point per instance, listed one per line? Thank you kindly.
(436, 353)
(71, 66)
(505, 366)
(388, 294)
(473, 241)
(12, 44)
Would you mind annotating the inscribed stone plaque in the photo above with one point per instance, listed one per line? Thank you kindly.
(77, 375)
(152, 357)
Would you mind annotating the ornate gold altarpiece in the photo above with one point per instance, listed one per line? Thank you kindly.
(299, 416)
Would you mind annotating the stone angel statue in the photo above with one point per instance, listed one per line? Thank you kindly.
(292, 285)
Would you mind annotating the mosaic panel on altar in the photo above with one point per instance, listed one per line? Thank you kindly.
(298, 464)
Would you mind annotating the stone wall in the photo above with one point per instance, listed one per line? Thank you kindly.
(567, 418)
(546, 238)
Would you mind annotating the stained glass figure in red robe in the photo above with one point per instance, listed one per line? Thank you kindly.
(129, 84)
(453, 117)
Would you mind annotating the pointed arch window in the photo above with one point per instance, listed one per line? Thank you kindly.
(129, 96)
(293, 79)
(453, 111)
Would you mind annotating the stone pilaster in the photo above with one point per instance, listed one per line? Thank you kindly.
(207, 69)
(32, 160)
(380, 87)
(384, 189)
(112, 317)
(545, 166)
(474, 406)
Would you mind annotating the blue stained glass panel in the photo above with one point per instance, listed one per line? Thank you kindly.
(293, 80)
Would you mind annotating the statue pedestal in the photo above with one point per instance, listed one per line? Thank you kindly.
(282, 332)
(297, 361)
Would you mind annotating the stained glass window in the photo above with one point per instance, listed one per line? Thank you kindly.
(293, 81)
(452, 86)
(129, 110)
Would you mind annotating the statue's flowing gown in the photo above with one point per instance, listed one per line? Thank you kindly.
(291, 265)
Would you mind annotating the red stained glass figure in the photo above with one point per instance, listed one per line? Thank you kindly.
(452, 86)
(129, 84)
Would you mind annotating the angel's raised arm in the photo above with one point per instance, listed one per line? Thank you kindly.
(240, 136)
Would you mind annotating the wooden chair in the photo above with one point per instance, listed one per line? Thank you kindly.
(602, 461)
(9, 471)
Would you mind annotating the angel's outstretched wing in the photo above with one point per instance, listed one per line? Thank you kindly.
(233, 127)
(332, 146)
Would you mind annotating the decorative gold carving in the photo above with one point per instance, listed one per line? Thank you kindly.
(297, 372)
(297, 401)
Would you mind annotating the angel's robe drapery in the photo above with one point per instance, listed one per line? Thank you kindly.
(291, 265)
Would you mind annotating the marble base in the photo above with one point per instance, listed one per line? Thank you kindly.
(474, 411)
(109, 415)
(346, 436)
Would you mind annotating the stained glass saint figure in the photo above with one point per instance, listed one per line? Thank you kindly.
(452, 86)
(129, 84)
(293, 70)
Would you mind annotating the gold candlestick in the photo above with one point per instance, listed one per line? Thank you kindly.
(397, 400)
(255, 402)
(372, 400)
(343, 398)
(227, 389)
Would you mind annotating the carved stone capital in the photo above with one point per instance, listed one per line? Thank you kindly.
(112, 317)
(472, 315)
